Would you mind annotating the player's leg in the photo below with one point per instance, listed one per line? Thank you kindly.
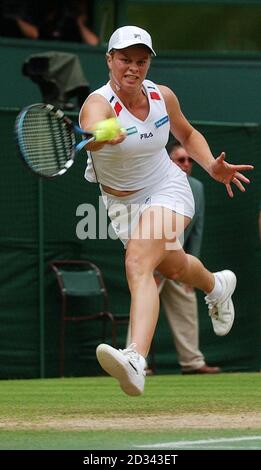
(180, 266)
(219, 288)
(146, 249)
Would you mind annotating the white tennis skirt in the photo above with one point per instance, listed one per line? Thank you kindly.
(173, 192)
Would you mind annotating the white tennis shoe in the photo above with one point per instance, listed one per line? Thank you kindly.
(127, 366)
(222, 310)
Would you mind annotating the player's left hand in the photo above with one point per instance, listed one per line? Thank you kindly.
(228, 173)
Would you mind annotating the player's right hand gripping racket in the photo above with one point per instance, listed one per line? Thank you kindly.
(46, 139)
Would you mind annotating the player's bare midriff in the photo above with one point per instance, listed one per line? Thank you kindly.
(117, 193)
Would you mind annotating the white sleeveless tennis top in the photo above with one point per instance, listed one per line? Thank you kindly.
(141, 160)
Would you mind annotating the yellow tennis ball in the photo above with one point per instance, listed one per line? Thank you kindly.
(107, 129)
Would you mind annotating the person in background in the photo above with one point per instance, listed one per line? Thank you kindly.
(18, 19)
(52, 20)
(179, 300)
(66, 21)
(73, 23)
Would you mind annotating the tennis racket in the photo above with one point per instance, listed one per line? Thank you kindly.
(46, 139)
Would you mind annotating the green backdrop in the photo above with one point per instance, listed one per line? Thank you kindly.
(37, 214)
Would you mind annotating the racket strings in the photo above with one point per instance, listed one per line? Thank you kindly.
(47, 141)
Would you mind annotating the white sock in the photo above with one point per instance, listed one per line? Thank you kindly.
(217, 289)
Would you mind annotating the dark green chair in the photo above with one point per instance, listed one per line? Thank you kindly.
(79, 279)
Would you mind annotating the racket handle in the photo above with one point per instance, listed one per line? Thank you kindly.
(84, 142)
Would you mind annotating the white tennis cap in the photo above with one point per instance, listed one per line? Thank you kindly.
(129, 36)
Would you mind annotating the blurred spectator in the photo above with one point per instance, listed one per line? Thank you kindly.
(75, 25)
(17, 19)
(53, 20)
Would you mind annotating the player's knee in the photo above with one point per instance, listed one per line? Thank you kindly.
(179, 271)
(135, 266)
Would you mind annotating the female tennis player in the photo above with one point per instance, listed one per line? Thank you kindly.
(148, 198)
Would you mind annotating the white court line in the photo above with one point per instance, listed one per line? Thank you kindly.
(170, 445)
